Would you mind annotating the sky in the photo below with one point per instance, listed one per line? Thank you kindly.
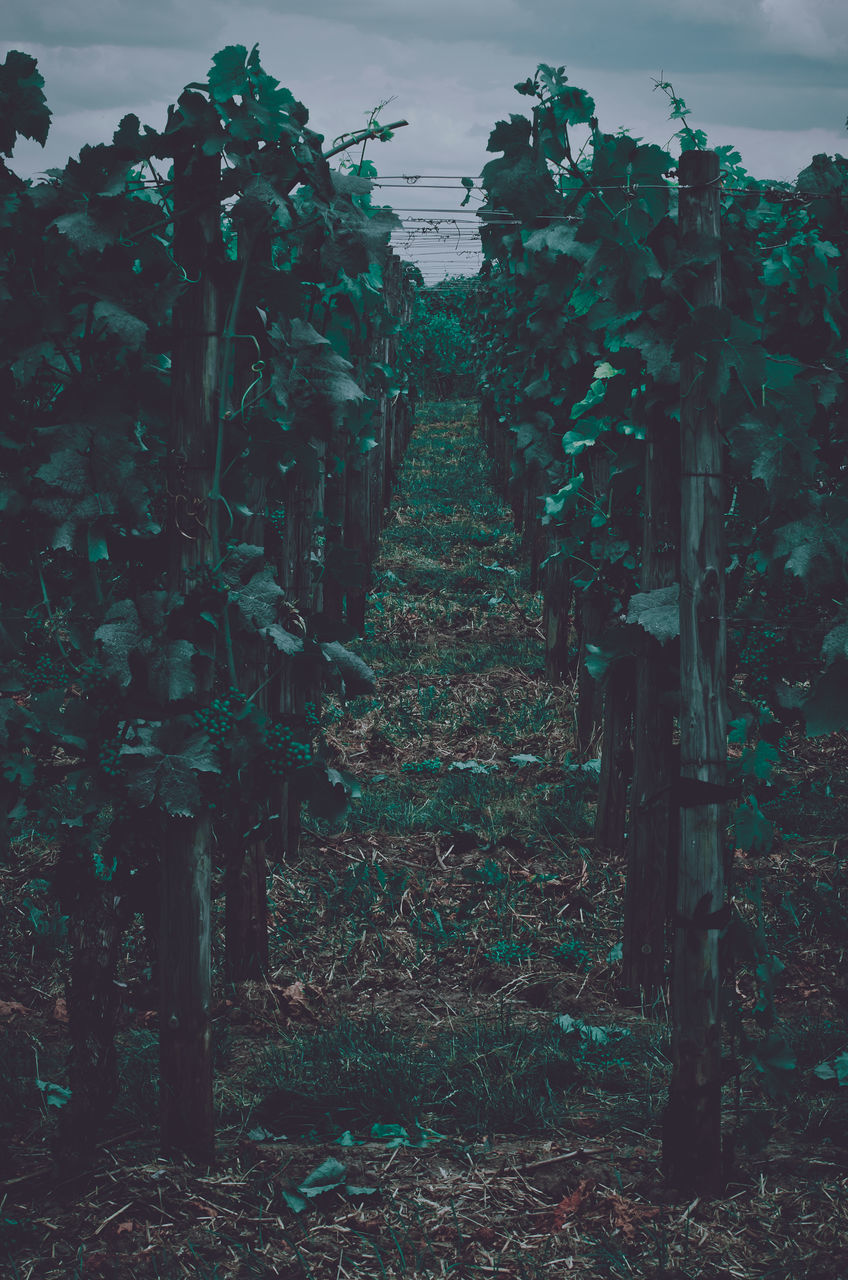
(768, 76)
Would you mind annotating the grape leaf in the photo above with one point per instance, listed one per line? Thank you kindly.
(657, 612)
(754, 832)
(119, 636)
(23, 107)
(826, 710)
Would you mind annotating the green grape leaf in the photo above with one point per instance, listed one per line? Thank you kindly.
(259, 600)
(593, 397)
(754, 832)
(657, 612)
(228, 75)
(835, 643)
(121, 324)
(826, 710)
(86, 235)
(163, 763)
(284, 640)
(119, 636)
(510, 136)
(758, 761)
(328, 1175)
(327, 791)
(172, 674)
(356, 676)
(565, 499)
(23, 107)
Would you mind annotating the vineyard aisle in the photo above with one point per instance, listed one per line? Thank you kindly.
(436, 1079)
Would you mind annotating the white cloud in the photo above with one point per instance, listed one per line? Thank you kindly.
(154, 24)
(816, 28)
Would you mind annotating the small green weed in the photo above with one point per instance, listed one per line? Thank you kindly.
(509, 951)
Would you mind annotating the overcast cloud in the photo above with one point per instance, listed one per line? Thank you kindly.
(770, 76)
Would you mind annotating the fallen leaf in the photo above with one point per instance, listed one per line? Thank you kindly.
(10, 1009)
(294, 1001)
(60, 1010)
(627, 1217)
(206, 1209)
(571, 1204)
(124, 1227)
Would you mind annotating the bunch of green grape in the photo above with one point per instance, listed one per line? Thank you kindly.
(48, 672)
(217, 719)
(277, 521)
(108, 757)
(285, 753)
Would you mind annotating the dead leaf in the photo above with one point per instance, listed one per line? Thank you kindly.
(571, 1204)
(205, 1209)
(60, 1010)
(124, 1227)
(294, 1002)
(628, 1217)
(10, 1009)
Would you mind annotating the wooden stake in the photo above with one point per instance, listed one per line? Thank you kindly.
(187, 1118)
(692, 1140)
(653, 825)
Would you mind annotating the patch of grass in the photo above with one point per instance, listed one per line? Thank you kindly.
(444, 410)
(500, 1075)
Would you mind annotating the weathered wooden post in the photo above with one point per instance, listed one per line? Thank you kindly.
(245, 865)
(692, 1153)
(556, 613)
(187, 1120)
(653, 826)
(616, 755)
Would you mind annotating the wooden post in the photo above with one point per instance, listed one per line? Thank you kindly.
(533, 532)
(591, 618)
(356, 536)
(98, 912)
(556, 585)
(692, 1153)
(245, 863)
(653, 826)
(616, 756)
(304, 490)
(187, 1118)
(592, 615)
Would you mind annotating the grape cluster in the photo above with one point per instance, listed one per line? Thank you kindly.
(108, 757)
(46, 673)
(216, 720)
(284, 752)
(313, 720)
(277, 521)
(92, 677)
